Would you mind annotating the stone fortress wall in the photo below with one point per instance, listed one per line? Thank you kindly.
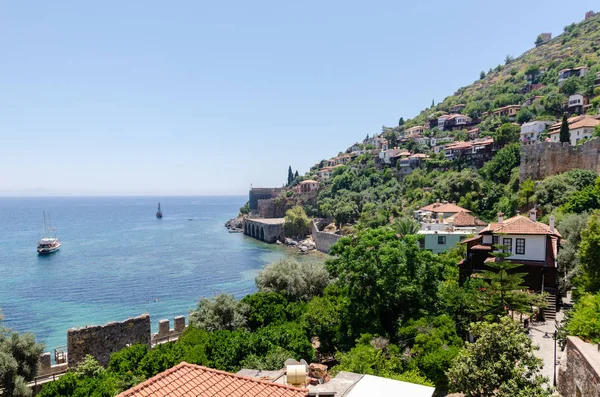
(323, 240)
(102, 340)
(544, 159)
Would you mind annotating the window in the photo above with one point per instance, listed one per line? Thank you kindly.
(441, 239)
(507, 243)
(520, 247)
(495, 240)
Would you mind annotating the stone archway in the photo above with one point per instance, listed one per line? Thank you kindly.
(262, 233)
(253, 231)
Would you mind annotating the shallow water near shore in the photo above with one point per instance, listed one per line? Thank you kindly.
(118, 261)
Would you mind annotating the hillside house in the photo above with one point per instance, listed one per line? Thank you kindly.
(399, 156)
(439, 241)
(438, 212)
(576, 72)
(422, 140)
(456, 122)
(381, 143)
(533, 245)
(577, 104)
(458, 108)
(531, 100)
(531, 131)
(441, 141)
(546, 37)
(408, 164)
(386, 155)
(473, 133)
(509, 111)
(324, 173)
(441, 121)
(580, 129)
(418, 129)
(307, 186)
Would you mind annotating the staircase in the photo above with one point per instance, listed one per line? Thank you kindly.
(550, 310)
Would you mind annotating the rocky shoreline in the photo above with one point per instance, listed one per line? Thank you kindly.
(235, 225)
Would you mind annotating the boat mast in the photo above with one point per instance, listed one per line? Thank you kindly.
(50, 227)
(45, 231)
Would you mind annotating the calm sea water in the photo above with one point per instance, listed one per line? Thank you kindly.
(118, 261)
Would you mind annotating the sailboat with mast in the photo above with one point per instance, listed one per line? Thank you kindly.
(49, 243)
(159, 212)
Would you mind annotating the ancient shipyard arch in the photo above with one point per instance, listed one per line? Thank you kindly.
(267, 230)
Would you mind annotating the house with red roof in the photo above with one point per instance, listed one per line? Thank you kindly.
(307, 186)
(194, 380)
(532, 244)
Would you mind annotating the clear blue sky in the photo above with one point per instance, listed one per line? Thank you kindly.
(190, 97)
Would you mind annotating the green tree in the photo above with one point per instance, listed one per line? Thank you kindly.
(296, 281)
(406, 226)
(401, 122)
(499, 169)
(245, 209)
(570, 228)
(296, 223)
(565, 135)
(583, 318)
(290, 176)
(265, 308)
(570, 86)
(583, 200)
(589, 255)
(507, 133)
(481, 75)
(433, 345)
(19, 355)
(221, 313)
(505, 288)
(508, 59)
(524, 115)
(500, 363)
(383, 279)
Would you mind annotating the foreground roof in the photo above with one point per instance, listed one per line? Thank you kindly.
(194, 380)
(520, 225)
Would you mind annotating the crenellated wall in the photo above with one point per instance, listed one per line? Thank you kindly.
(544, 159)
(256, 194)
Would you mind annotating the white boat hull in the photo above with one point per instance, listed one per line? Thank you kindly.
(48, 250)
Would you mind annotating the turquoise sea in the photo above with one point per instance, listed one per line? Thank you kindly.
(118, 261)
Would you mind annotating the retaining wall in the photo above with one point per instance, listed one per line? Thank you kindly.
(579, 371)
(323, 240)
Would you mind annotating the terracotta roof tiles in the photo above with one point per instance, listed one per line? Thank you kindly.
(520, 225)
(185, 380)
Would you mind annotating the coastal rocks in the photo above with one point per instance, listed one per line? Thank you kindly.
(307, 245)
(303, 245)
(235, 225)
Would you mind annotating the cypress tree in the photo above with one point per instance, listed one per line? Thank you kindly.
(401, 122)
(296, 174)
(565, 136)
(433, 103)
(290, 176)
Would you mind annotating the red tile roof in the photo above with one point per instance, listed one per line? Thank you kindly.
(185, 380)
(520, 225)
(587, 122)
(439, 207)
(463, 219)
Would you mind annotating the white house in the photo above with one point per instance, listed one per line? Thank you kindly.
(531, 131)
(441, 121)
(579, 130)
(442, 140)
(386, 155)
(423, 140)
(418, 129)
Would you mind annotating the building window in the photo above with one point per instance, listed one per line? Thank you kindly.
(507, 243)
(520, 246)
(495, 240)
(441, 239)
